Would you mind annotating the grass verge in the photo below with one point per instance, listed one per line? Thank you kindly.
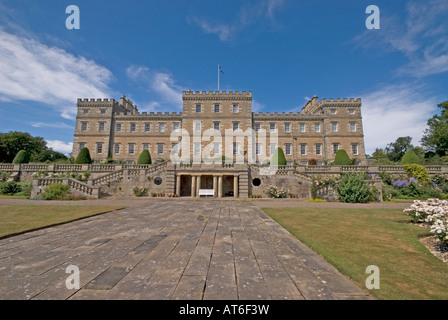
(352, 239)
(15, 219)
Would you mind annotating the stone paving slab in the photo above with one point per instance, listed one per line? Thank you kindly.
(170, 250)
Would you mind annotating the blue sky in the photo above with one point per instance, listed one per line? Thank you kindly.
(284, 51)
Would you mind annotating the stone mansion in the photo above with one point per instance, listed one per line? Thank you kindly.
(117, 130)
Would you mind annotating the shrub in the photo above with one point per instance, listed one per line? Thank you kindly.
(83, 157)
(4, 176)
(276, 192)
(10, 187)
(144, 158)
(418, 172)
(312, 162)
(25, 189)
(410, 157)
(389, 193)
(139, 192)
(342, 158)
(21, 157)
(353, 189)
(56, 191)
(278, 158)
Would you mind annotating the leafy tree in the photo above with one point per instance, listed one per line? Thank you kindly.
(21, 157)
(144, 158)
(396, 150)
(278, 158)
(381, 157)
(47, 155)
(435, 138)
(410, 157)
(342, 158)
(83, 157)
(11, 143)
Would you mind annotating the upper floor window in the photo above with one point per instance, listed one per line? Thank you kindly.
(217, 108)
(317, 127)
(133, 127)
(176, 126)
(303, 149)
(351, 111)
(83, 126)
(287, 127)
(102, 111)
(302, 127)
(147, 127)
(101, 126)
(235, 108)
(85, 111)
(257, 127)
(352, 126)
(272, 127)
(198, 108)
(216, 125)
(160, 148)
(162, 127)
(333, 111)
(118, 127)
(334, 127)
(117, 148)
(236, 126)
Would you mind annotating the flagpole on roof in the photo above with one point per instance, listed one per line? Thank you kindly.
(218, 78)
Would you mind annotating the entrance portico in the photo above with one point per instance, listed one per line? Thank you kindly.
(224, 184)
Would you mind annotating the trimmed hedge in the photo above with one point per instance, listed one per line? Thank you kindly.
(278, 158)
(83, 157)
(342, 158)
(21, 157)
(144, 158)
(410, 157)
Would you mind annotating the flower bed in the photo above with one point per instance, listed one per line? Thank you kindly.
(276, 192)
(432, 213)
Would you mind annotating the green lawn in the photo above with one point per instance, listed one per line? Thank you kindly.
(352, 239)
(19, 218)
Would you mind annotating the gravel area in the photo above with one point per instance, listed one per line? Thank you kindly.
(436, 247)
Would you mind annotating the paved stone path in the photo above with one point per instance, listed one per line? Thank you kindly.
(170, 249)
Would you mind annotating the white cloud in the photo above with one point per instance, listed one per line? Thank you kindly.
(422, 38)
(161, 83)
(60, 125)
(248, 14)
(224, 31)
(393, 112)
(34, 71)
(60, 146)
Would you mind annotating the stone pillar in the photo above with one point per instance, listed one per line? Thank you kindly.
(215, 185)
(219, 186)
(193, 186)
(198, 184)
(235, 186)
(178, 185)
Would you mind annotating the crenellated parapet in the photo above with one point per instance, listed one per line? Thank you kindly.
(313, 105)
(216, 95)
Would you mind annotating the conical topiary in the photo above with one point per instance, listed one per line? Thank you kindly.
(21, 157)
(410, 157)
(145, 158)
(342, 158)
(278, 158)
(83, 157)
